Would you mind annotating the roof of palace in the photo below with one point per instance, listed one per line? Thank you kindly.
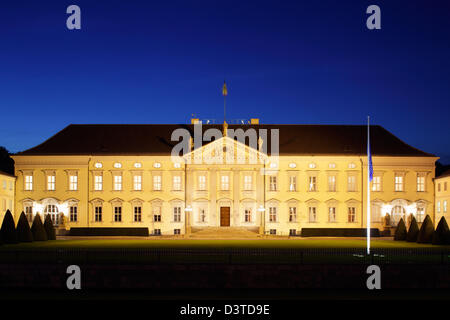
(155, 139)
(444, 174)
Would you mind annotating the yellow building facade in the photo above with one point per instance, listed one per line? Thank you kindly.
(125, 176)
(7, 188)
(442, 191)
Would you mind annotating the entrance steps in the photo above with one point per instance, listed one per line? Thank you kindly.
(224, 233)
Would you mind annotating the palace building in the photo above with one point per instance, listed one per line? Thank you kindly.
(305, 176)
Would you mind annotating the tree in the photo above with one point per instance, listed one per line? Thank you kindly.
(8, 229)
(38, 230)
(442, 233)
(23, 229)
(49, 229)
(6, 162)
(413, 231)
(400, 232)
(426, 231)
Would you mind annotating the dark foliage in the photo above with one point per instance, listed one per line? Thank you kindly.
(37, 229)
(442, 233)
(400, 231)
(6, 162)
(49, 229)
(23, 229)
(8, 229)
(413, 232)
(426, 231)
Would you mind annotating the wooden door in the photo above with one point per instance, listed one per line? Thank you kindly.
(224, 216)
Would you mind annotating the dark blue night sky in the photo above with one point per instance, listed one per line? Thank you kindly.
(311, 62)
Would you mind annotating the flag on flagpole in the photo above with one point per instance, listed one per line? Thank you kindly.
(369, 178)
(224, 89)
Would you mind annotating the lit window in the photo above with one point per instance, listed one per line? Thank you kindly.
(351, 214)
(73, 182)
(177, 183)
(73, 213)
(117, 183)
(248, 182)
(351, 165)
(420, 214)
(117, 165)
(248, 215)
(225, 182)
(117, 214)
(202, 182)
(98, 165)
(444, 205)
(312, 214)
(312, 185)
(157, 183)
(29, 213)
(351, 183)
(273, 183)
(138, 165)
(272, 214)
(332, 165)
(98, 213)
(398, 183)
(53, 211)
(292, 214)
(332, 183)
(312, 165)
(438, 206)
(28, 182)
(51, 182)
(157, 165)
(177, 214)
(292, 165)
(98, 182)
(292, 183)
(420, 183)
(376, 183)
(137, 182)
(137, 214)
(332, 214)
(177, 165)
(273, 165)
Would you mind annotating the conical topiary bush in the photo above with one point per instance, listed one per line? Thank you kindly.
(400, 232)
(8, 230)
(49, 229)
(413, 231)
(441, 234)
(37, 229)
(23, 229)
(426, 231)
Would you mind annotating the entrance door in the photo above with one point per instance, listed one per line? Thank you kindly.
(224, 216)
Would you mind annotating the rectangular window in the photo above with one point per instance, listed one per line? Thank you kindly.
(292, 183)
(273, 183)
(11, 185)
(352, 183)
(98, 183)
(157, 214)
(273, 231)
(438, 206)
(351, 214)
(51, 182)
(157, 232)
(420, 214)
(137, 214)
(28, 183)
(312, 214)
(312, 185)
(376, 183)
(248, 185)
(444, 206)
(292, 214)
(332, 214)
(157, 184)
(177, 214)
(73, 182)
(272, 214)
(117, 183)
(398, 183)
(292, 232)
(29, 213)
(73, 213)
(445, 186)
(439, 187)
(137, 182)
(420, 183)
(176, 231)
(332, 183)
(202, 182)
(176, 183)
(4, 184)
(225, 183)
(98, 214)
(248, 215)
(118, 214)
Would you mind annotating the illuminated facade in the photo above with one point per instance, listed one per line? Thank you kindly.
(442, 191)
(7, 183)
(124, 176)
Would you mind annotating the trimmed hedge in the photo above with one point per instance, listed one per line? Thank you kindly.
(426, 231)
(8, 229)
(49, 228)
(339, 232)
(136, 232)
(400, 232)
(38, 230)
(442, 233)
(23, 229)
(413, 232)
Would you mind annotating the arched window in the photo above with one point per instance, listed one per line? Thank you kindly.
(398, 212)
(53, 211)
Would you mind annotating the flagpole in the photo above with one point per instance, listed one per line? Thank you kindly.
(368, 185)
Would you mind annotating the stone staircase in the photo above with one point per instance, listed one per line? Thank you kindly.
(223, 233)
